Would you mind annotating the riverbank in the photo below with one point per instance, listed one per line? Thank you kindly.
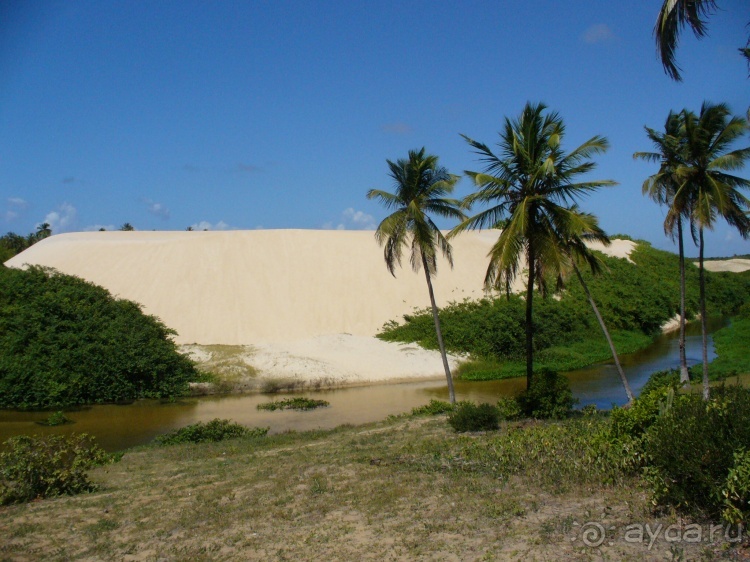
(403, 489)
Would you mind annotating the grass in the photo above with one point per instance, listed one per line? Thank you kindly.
(408, 488)
(296, 403)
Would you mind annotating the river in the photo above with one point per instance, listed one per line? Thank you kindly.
(119, 427)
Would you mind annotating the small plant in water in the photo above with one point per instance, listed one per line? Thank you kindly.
(434, 408)
(215, 430)
(297, 403)
(58, 418)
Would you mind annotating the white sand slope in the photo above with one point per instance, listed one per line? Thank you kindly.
(736, 265)
(312, 299)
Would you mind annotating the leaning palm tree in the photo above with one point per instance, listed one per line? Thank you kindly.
(421, 187)
(583, 228)
(530, 185)
(708, 189)
(661, 187)
(675, 15)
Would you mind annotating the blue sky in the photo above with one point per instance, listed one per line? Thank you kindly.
(244, 115)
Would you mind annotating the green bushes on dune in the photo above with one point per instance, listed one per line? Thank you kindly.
(64, 341)
(635, 298)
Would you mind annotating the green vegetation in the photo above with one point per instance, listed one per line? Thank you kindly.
(41, 467)
(548, 397)
(434, 408)
(58, 418)
(12, 243)
(212, 431)
(296, 403)
(467, 416)
(635, 299)
(64, 341)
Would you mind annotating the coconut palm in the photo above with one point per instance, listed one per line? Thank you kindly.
(43, 231)
(530, 184)
(706, 187)
(421, 187)
(584, 228)
(661, 187)
(673, 16)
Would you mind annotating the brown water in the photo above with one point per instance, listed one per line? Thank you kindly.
(119, 427)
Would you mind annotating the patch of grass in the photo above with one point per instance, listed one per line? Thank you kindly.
(407, 488)
(296, 403)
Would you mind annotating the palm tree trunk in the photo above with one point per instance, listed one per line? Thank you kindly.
(704, 332)
(684, 376)
(529, 324)
(603, 326)
(439, 333)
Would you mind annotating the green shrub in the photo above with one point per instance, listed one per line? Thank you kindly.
(736, 492)
(549, 397)
(434, 408)
(690, 449)
(64, 341)
(214, 430)
(467, 416)
(509, 409)
(41, 467)
(635, 419)
(297, 403)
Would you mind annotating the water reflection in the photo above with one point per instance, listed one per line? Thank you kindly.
(119, 427)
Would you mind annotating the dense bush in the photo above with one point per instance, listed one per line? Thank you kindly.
(467, 416)
(214, 430)
(635, 299)
(509, 409)
(548, 397)
(40, 467)
(736, 492)
(64, 341)
(434, 408)
(690, 449)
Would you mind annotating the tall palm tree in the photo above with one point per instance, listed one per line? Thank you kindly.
(708, 189)
(421, 187)
(530, 184)
(661, 187)
(584, 228)
(673, 16)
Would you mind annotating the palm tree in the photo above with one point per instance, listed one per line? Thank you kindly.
(583, 228)
(421, 188)
(673, 16)
(706, 187)
(530, 185)
(127, 227)
(661, 187)
(43, 231)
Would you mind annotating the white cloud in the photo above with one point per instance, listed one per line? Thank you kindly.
(17, 202)
(598, 33)
(205, 225)
(62, 219)
(157, 209)
(352, 219)
(10, 215)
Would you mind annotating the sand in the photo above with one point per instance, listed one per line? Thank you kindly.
(308, 302)
(736, 265)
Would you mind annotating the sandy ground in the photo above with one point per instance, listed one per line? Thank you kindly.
(309, 302)
(733, 265)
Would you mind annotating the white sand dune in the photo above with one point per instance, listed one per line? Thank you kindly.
(313, 299)
(736, 265)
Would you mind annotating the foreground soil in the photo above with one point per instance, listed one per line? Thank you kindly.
(402, 489)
